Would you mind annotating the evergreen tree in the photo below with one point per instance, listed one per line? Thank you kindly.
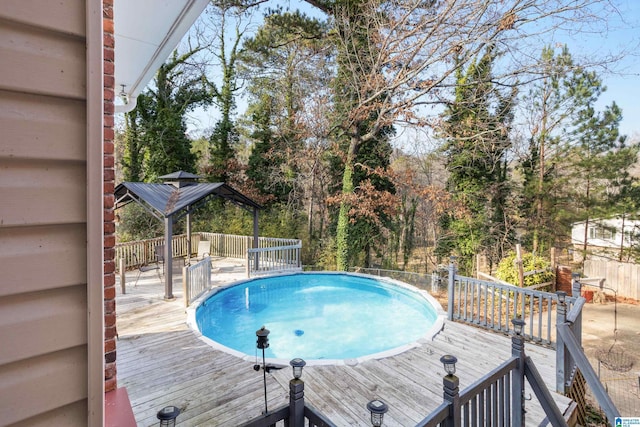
(157, 130)
(283, 63)
(599, 162)
(227, 24)
(362, 138)
(476, 129)
(133, 153)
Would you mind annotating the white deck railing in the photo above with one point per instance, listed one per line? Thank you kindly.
(142, 252)
(278, 259)
(196, 280)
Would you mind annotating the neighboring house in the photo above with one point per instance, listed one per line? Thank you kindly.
(606, 235)
(57, 287)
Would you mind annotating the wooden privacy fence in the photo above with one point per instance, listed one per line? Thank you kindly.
(196, 280)
(622, 277)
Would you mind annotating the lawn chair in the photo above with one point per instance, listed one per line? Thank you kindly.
(204, 246)
(157, 265)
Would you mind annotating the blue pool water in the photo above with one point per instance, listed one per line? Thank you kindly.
(316, 316)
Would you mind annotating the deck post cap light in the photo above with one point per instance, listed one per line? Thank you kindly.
(297, 364)
(168, 415)
(518, 325)
(377, 408)
(263, 337)
(562, 295)
(449, 363)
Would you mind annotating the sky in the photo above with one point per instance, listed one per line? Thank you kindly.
(622, 78)
(623, 85)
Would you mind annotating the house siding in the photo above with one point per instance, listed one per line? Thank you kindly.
(49, 313)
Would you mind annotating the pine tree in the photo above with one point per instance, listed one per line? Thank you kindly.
(476, 132)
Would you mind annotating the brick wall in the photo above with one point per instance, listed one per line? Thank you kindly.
(109, 183)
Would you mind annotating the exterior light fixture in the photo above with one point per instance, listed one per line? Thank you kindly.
(562, 295)
(449, 363)
(377, 408)
(297, 364)
(518, 325)
(262, 343)
(263, 338)
(168, 415)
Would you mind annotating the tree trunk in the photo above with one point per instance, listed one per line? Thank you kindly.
(342, 230)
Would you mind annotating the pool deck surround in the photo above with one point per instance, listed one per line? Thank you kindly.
(162, 362)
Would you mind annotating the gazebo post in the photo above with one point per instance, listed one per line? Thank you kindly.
(181, 191)
(168, 261)
(189, 235)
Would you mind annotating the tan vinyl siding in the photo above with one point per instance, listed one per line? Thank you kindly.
(49, 189)
(39, 127)
(31, 314)
(46, 235)
(41, 258)
(42, 62)
(40, 384)
(67, 17)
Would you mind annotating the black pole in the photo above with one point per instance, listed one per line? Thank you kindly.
(264, 381)
(262, 343)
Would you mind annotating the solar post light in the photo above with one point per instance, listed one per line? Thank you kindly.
(297, 364)
(262, 343)
(450, 388)
(377, 408)
(518, 325)
(562, 295)
(168, 415)
(449, 363)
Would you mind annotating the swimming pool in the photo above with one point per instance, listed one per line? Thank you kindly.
(324, 317)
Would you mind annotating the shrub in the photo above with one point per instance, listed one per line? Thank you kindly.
(508, 271)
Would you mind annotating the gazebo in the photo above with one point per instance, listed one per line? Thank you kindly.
(178, 196)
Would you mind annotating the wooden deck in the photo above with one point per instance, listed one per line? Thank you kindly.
(161, 362)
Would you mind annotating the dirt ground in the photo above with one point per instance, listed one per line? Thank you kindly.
(611, 340)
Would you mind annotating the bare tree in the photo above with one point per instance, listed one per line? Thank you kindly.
(397, 60)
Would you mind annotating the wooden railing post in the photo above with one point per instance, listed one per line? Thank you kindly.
(575, 285)
(451, 290)
(576, 288)
(561, 352)
(451, 395)
(123, 276)
(517, 387)
(296, 403)
(186, 286)
(248, 268)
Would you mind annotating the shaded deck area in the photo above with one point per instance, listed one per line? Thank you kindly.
(161, 362)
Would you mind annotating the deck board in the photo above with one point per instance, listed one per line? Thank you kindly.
(161, 362)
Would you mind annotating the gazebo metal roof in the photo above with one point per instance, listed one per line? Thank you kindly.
(178, 196)
(167, 199)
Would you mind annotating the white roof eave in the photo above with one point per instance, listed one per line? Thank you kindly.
(146, 32)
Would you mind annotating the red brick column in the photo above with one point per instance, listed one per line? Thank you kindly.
(110, 382)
